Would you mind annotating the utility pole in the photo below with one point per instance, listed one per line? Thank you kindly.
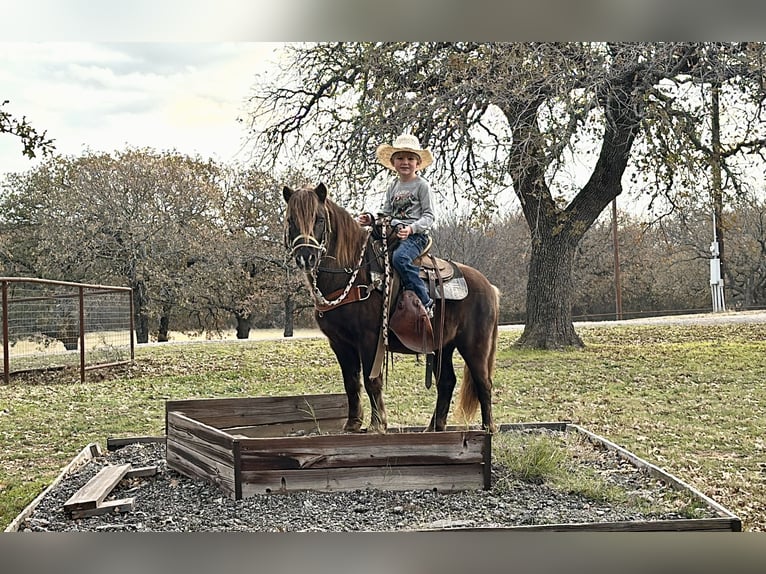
(717, 267)
(617, 280)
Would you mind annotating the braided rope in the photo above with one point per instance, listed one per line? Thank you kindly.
(386, 285)
(319, 297)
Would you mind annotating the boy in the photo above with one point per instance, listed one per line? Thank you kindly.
(408, 203)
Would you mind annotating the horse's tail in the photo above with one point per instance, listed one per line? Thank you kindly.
(468, 401)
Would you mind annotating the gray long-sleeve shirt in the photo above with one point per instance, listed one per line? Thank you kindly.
(410, 203)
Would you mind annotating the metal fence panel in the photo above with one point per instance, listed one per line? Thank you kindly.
(56, 324)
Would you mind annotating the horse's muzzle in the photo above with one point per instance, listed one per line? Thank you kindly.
(306, 258)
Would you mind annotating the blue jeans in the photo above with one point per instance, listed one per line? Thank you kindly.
(407, 250)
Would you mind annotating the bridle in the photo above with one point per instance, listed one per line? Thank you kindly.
(312, 242)
(302, 240)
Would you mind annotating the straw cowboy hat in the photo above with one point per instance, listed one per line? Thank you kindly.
(404, 142)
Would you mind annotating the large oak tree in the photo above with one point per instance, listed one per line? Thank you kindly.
(500, 116)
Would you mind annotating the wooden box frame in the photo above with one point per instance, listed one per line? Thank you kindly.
(261, 445)
(216, 460)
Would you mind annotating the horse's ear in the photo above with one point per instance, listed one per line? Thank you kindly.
(287, 193)
(321, 192)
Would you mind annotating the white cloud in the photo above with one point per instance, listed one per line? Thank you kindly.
(184, 96)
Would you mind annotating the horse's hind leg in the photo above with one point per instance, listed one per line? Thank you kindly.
(477, 387)
(350, 366)
(445, 386)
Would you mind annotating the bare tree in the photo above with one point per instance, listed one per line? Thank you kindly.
(746, 230)
(499, 249)
(496, 116)
(246, 271)
(133, 218)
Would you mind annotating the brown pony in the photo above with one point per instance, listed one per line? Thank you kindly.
(335, 253)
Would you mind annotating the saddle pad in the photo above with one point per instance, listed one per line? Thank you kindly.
(455, 289)
(453, 283)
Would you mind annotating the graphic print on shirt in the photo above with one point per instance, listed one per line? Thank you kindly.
(401, 203)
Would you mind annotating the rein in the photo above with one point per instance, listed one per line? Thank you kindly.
(320, 303)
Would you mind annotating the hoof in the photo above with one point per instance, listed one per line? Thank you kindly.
(377, 429)
(353, 427)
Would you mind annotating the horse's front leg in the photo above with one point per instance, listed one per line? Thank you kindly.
(445, 386)
(350, 366)
(378, 417)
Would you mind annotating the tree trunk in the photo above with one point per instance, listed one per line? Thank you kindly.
(244, 323)
(140, 317)
(289, 316)
(162, 333)
(550, 293)
(70, 338)
(142, 328)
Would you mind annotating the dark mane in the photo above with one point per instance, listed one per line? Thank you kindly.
(346, 233)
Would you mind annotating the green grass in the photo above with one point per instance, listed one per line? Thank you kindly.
(689, 399)
(567, 462)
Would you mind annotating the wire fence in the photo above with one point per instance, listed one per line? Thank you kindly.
(57, 324)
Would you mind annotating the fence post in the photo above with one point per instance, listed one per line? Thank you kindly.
(6, 348)
(82, 334)
(132, 328)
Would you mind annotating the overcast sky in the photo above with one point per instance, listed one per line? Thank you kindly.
(107, 96)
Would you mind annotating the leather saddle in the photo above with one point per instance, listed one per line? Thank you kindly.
(429, 266)
(411, 324)
(408, 318)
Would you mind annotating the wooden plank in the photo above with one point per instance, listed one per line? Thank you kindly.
(97, 488)
(88, 453)
(183, 459)
(333, 426)
(364, 450)
(117, 443)
(441, 478)
(122, 505)
(206, 438)
(142, 471)
(200, 451)
(657, 472)
(560, 426)
(251, 411)
(673, 525)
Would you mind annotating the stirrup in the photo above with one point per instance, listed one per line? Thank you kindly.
(429, 243)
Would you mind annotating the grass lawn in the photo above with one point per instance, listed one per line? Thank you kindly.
(689, 399)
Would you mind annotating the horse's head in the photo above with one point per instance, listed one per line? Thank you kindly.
(307, 227)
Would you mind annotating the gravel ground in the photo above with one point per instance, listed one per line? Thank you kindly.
(168, 501)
